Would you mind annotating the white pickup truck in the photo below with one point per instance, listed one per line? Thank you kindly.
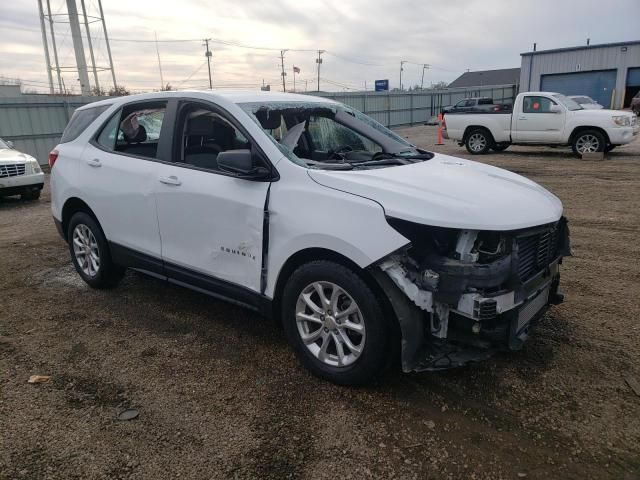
(542, 118)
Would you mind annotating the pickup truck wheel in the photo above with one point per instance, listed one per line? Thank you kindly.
(588, 141)
(478, 141)
(90, 253)
(31, 195)
(500, 147)
(335, 324)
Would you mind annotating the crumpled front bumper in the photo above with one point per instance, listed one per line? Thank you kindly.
(478, 324)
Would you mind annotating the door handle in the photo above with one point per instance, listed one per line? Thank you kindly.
(172, 180)
(94, 162)
(522, 118)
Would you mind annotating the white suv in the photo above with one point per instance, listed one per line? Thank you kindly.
(360, 244)
(20, 174)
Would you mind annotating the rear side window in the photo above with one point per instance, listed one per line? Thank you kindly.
(134, 130)
(485, 101)
(80, 120)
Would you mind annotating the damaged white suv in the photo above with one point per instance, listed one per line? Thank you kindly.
(363, 246)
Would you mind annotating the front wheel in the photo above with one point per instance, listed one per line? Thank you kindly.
(90, 252)
(588, 141)
(335, 323)
(31, 195)
(478, 141)
(609, 147)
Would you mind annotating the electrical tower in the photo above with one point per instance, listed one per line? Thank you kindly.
(74, 18)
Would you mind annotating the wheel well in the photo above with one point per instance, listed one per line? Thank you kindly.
(71, 206)
(577, 130)
(471, 128)
(312, 254)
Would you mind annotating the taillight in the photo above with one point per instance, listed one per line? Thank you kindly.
(53, 156)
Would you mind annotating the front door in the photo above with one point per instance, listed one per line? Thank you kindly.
(211, 223)
(536, 122)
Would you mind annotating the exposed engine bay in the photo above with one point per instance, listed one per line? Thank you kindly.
(470, 293)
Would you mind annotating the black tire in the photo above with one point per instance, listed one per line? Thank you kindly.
(108, 274)
(478, 141)
(584, 136)
(609, 148)
(31, 195)
(500, 147)
(376, 350)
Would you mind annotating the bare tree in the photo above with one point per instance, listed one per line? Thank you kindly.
(98, 92)
(119, 91)
(167, 88)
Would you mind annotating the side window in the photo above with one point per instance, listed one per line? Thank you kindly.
(470, 103)
(533, 104)
(461, 103)
(205, 134)
(328, 135)
(80, 120)
(485, 101)
(110, 132)
(134, 130)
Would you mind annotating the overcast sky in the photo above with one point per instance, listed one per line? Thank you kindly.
(364, 40)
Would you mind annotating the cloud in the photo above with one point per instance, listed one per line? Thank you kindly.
(450, 35)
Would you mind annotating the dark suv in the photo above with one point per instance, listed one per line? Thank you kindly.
(635, 104)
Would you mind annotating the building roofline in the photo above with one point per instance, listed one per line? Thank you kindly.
(582, 47)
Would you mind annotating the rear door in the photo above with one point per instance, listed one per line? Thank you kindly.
(211, 222)
(120, 168)
(536, 123)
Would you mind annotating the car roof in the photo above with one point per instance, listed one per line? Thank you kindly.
(233, 96)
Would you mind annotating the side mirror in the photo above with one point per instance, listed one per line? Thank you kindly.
(555, 108)
(9, 144)
(240, 162)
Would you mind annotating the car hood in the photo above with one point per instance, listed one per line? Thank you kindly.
(450, 192)
(9, 156)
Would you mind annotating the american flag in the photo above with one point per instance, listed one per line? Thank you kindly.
(296, 69)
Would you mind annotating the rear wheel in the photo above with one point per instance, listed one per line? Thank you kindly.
(588, 141)
(478, 141)
(90, 252)
(335, 323)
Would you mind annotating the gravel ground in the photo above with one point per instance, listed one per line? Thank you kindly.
(220, 394)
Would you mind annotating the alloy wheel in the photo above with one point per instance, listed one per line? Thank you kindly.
(86, 251)
(587, 144)
(477, 142)
(330, 324)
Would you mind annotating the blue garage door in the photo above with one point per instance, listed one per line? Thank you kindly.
(633, 77)
(597, 85)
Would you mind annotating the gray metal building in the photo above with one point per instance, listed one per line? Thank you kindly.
(609, 73)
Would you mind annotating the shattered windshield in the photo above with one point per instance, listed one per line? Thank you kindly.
(331, 136)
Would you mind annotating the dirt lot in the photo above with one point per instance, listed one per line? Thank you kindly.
(220, 394)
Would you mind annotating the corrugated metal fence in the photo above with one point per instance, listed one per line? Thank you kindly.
(34, 123)
(395, 109)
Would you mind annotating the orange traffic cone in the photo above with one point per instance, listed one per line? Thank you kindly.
(440, 120)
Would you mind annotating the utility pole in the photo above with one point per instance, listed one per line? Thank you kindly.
(159, 64)
(55, 49)
(426, 66)
(402, 62)
(93, 59)
(46, 46)
(106, 41)
(76, 36)
(207, 54)
(283, 73)
(319, 62)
